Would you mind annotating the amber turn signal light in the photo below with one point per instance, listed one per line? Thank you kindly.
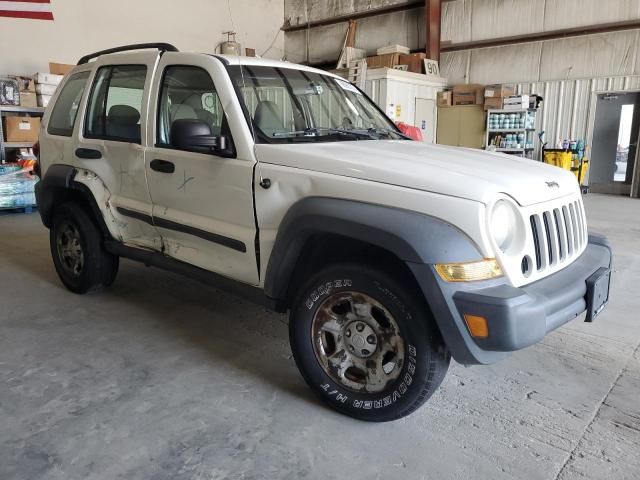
(477, 326)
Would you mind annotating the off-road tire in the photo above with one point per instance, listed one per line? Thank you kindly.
(426, 359)
(99, 268)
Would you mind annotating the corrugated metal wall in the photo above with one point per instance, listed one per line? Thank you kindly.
(569, 106)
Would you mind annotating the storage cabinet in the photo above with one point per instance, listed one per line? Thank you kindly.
(461, 126)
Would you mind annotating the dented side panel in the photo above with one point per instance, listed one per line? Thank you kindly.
(290, 185)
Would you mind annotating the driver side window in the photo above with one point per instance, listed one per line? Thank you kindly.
(188, 93)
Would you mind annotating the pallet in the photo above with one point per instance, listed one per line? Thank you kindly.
(24, 209)
(358, 72)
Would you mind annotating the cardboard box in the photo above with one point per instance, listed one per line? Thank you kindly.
(44, 89)
(28, 99)
(493, 103)
(445, 99)
(498, 91)
(393, 49)
(25, 84)
(468, 94)
(389, 60)
(48, 78)
(60, 68)
(22, 129)
(516, 102)
(43, 100)
(414, 61)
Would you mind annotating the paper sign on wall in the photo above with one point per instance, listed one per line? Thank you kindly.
(431, 68)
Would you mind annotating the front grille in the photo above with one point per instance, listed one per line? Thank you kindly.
(558, 234)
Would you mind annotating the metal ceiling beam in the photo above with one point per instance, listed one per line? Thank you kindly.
(542, 36)
(433, 20)
(372, 12)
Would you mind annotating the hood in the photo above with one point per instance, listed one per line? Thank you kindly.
(462, 172)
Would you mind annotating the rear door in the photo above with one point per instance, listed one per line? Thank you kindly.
(202, 201)
(112, 138)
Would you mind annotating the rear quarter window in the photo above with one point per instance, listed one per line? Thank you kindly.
(65, 111)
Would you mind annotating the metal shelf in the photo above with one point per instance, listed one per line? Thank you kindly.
(19, 111)
(18, 144)
(14, 109)
(500, 130)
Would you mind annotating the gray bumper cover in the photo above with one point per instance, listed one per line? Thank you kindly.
(517, 317)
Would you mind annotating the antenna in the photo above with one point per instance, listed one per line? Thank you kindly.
(264, 182)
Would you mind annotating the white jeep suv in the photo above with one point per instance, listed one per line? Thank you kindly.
(288, 185)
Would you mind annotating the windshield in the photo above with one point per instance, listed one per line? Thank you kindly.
(288, 105)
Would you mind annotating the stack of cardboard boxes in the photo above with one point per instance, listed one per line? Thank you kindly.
(463, 94)
(394, 56)
(494, 96)
(27, 89)
(491, 96)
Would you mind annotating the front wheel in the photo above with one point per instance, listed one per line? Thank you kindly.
(366, 343)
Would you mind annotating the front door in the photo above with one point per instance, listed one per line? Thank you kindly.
(615, 141)
(202, 200)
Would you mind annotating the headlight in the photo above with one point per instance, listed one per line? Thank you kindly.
(503, 224)
(469, 271)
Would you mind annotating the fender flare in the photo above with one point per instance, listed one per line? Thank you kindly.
(411, 236)
(60, 178)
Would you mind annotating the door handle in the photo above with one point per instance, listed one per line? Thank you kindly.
(88, 153)
(162, 166)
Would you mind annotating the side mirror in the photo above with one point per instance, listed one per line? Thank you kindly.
(193, 134)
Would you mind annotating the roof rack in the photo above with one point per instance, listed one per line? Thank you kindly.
(163, 47)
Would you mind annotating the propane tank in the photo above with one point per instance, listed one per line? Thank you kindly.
(230, 47)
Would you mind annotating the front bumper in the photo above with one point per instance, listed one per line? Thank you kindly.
(516, 317)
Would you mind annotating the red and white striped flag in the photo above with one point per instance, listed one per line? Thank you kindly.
(35, 9)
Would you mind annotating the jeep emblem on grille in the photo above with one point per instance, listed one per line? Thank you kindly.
(552, 184)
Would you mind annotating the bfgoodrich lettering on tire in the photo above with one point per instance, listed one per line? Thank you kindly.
(366, 343)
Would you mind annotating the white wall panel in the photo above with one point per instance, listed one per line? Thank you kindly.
(515, 63)
(590, 56)
(577, 13)
(456, 21)
(453, 66)
(504, 18)
(80, 27)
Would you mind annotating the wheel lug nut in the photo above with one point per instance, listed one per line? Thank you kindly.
(365, 351)
(348, 333)
(371, 339)
(360, 327)
(351, 348)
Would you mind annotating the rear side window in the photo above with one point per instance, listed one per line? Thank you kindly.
(115, 104)
(63, 116)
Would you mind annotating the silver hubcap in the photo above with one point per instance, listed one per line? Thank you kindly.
(70, 249)
(357, 342)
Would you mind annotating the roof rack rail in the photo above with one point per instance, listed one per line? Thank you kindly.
(163, 47)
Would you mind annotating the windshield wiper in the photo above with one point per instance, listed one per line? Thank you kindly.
(315, 132)
(389, 132)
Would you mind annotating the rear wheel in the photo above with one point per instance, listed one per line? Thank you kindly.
(77, 250)
(366, 343)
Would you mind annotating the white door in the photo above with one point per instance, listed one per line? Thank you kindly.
(112, 139)
(202, 198)
(426, 118)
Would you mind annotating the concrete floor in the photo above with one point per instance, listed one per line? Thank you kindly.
(163, 378)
